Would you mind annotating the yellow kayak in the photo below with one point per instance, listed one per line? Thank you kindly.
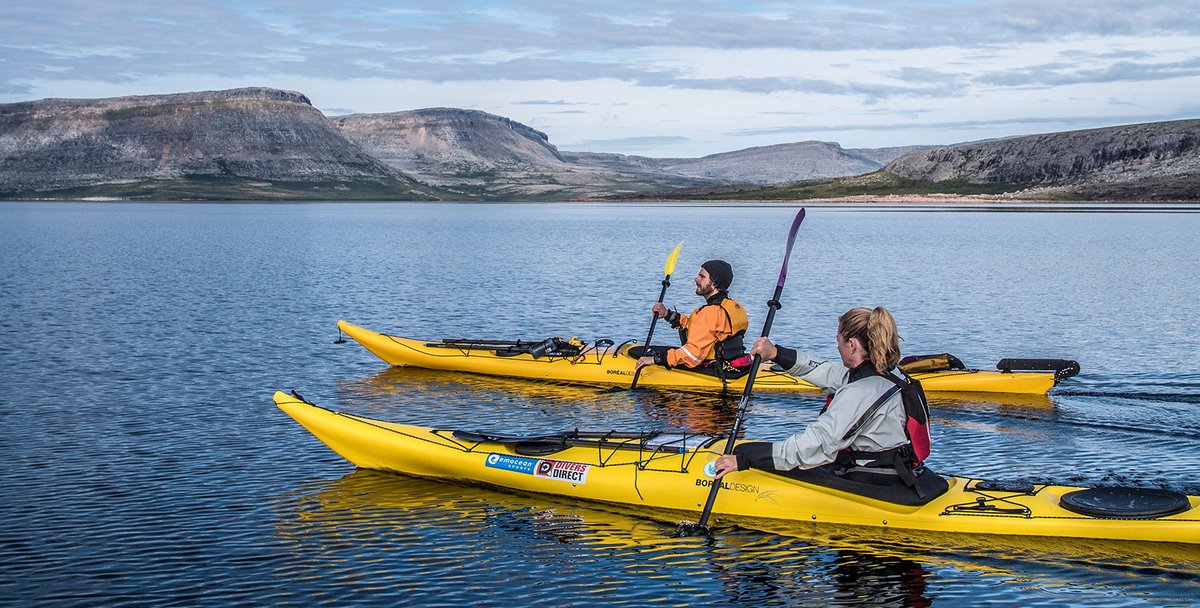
(604, 363)
(670, 474)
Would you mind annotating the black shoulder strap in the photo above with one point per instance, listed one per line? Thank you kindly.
(874, 408)
(900, 382)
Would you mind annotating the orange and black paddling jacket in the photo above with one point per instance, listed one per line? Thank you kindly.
(715, 331)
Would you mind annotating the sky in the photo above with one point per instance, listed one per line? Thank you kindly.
(655, 78)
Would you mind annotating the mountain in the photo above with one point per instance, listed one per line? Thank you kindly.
(1143, 161)
(259, 143)
(475, 154)
(784, 163)
(242, 143)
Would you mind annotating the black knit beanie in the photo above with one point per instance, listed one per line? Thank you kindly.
(721, 273)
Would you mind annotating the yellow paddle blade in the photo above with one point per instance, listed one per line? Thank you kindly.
(669, 267)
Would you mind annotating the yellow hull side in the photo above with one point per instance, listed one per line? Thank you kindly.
(603, 368)
(677, 482)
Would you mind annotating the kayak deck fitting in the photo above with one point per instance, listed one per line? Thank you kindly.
(672, 473)
(604, 363)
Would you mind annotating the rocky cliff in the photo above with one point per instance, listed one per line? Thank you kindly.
(475, 154)
(1153, 160)
(263, 142)
(783, 163)
(479, 154)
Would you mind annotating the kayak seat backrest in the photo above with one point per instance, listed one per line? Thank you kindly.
(914, 364)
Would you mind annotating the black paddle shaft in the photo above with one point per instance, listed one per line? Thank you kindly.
(773, 305)
(666, 282)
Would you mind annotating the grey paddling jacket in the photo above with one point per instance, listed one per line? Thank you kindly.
(854, 391)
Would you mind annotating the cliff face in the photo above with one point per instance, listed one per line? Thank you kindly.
(430, 141)
(1118, 158)
(482, 154)
(248, 134)
(262, 143)
(783, 163)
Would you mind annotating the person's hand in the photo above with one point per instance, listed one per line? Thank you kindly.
(763, 348)
(643, 362)
(659, 310)
(726, 464)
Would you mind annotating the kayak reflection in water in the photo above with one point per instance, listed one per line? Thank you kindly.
(874, 428)
(712, 336)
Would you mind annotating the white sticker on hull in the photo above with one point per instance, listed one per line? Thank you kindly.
(558, 470)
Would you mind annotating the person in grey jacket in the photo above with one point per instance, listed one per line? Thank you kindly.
(869, 345)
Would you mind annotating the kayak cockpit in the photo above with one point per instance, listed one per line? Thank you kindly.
(929, 485)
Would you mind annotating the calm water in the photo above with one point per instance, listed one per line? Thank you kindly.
(145, 465)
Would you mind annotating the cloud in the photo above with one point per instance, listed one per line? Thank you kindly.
(1055, 74)
(668, 71)
(627, 143)
(1059, 123)
(516, 39)
(548, 102)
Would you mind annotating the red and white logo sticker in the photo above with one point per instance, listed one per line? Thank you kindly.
(561, 470)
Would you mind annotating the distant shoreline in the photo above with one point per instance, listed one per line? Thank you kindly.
(893, 202)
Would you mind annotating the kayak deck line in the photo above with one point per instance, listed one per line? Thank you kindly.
(605, 363)
(469, 441)
(624, 470)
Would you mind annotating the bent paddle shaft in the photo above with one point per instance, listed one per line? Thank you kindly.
(772, 306)
(668, 269)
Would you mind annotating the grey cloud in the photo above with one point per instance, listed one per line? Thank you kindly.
(870, 92)
(1059, 123)
(450, 41)
(627, 143)
(548, 102)
(1057, 74)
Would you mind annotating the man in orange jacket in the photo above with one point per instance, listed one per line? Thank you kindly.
(713, 334)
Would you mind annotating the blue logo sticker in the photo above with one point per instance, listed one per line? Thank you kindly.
(710, 469)
(511, 463)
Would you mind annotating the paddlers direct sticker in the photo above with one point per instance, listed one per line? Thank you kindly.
(559, 470)
(571, 472)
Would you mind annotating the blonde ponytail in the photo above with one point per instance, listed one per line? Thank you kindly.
(876, 331)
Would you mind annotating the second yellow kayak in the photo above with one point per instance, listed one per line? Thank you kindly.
(607, 364)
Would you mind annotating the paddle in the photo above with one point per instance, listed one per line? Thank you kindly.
(668, 268)
(772, 306)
